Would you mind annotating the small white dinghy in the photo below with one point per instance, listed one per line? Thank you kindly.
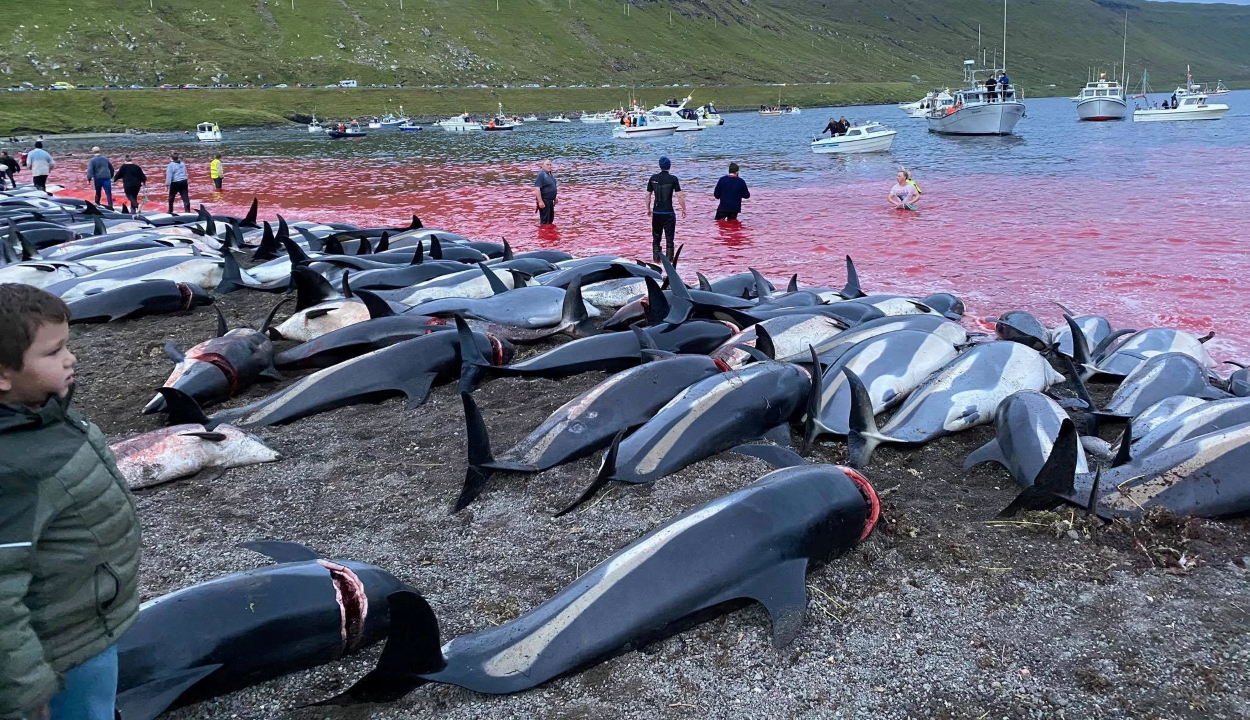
(866, 138)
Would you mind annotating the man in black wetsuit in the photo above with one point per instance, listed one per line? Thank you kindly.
(662, 187)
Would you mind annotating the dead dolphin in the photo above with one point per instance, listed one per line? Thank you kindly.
(756, 544)
(1020, 326)
(243, 629)
(1145, 344)
(149, 297)
(790, 337)
(964, 394)
(1160, 377)
(179, 451)
(1026, 425)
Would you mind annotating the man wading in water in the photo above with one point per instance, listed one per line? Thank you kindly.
(661, 188)
(545, 194)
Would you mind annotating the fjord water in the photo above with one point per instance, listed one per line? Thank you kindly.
(1141, 222)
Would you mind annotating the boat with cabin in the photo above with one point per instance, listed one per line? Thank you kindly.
(862, 138)
(639, 124)
(345, 130)
(920, 109)
(1102, 99)
(315, 126)
(409, 126)
(208, 132)
(1189, 106)
(460, 123)
(393, 120)
(500, 122)
(558, 119)
(976, 110)
(709, 116)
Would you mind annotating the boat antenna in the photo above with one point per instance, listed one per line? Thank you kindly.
(1004, 68)
(1124, 55)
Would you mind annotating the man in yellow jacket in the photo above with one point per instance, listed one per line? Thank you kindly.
(216, 171)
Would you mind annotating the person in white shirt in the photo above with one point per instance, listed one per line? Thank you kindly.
(176, 181)
(40, 164)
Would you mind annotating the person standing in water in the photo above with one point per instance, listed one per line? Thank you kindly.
(133, 180)
(662, 189)
(216, 172)
(731, 190)
(904, 195)
(100, 175)
(176, 181)
(545, 193)
(40, 164)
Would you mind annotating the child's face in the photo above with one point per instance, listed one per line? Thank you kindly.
(47, 368)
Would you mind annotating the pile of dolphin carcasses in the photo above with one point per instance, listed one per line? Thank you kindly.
(732, 364)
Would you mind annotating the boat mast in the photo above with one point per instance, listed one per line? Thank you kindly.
(1124, 55)
(1004, 68)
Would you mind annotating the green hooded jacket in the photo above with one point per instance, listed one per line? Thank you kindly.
(69, 550)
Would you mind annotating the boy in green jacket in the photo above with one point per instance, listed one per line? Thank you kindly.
(69, 535)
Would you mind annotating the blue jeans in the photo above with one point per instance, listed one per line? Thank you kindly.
(90, 690)
(106, 185)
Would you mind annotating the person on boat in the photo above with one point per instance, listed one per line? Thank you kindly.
(1004, 85)
(991, 93)
(100, 175)
(662, 189)
(133, 180)
(176, 181)
(832, 128)
(1174, 103)
(731, 190)
(545, 194)
(904, 195)
(844, 125)
(216, 172)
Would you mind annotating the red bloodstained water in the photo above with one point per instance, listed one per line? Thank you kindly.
(1158, 250)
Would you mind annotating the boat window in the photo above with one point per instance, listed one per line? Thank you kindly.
(852, 132)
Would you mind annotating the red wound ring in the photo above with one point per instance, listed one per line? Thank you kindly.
(870, 496)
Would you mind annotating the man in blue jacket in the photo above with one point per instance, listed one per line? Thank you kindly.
(731, 190)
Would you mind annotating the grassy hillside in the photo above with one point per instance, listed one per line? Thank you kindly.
(598, 41)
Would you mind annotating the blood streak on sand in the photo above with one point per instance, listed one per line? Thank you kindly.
(1160, 253)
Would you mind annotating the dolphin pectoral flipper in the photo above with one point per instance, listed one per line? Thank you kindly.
(606, 471)
(778, 457)
(172, 352)
(417, 388)
(149, 700)
(779, 434)
(782, 590)
(412, 649)
(989, 452)
(282, 551)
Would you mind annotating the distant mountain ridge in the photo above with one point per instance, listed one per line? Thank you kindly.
(566, 42)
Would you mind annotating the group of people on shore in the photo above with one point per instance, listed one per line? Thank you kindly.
(101, 175)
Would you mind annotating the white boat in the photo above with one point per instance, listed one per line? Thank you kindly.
(793, 111)
(676, 115)
(774, 111)
(408, 126)
(1102, 100)
(314, 126)
(1191, 106)
(460, 123)
(709, 116)
(920, 109)
(393, 120)
(865, 138)
(596, 118)
(1218, 90)
(638, 124)
(558, 119)
(974, 112)
(375, 124)
(530, 118)
(208, 132)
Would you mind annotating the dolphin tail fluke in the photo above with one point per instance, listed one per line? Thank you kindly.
(852, 288)
(657, 303)
(606, 471)
(413, 648)
(1080, 350)
(1124, 454)
(182, 409)
(472, 364)
(864, 436)
(811, 426)
(231, 275)
(1054, 483)
(477, 474)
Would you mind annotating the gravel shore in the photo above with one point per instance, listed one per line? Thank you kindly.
(943, 612)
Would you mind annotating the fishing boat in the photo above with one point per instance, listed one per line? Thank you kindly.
(558, 119)
(345, 131)
(1191, 106)
(500, 122)
(460, 123)
(315, 126)
(208, 132)
(866, 138)
(1102, 99)
(974, 111)
(1219, 89)
(920, 109)
(409, 126)
(638, 124)
(393, 120)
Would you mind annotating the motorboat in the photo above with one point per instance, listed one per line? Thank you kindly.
(1190, 106)
(393, 120)
(920, 109)
(460, 123)
(500, 122)
(344, 131)
(530, 118)
(208, 132)
(1102, 99)
(315, 126)
(865, 138)
(772, 111)
(558, 119)
(409, 126)
(1219, 89)
(596, 118)
(792, 110)
(639, 124)
(709, 116)
(975, 111)
(677, 114)
(375, 125)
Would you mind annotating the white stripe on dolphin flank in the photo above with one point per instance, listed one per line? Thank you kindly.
(1209, 449)
(697, 409)
(285, 396)
(15, 545)
(521, 655)
(574, 410)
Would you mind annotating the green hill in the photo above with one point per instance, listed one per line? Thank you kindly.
(568, 42)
